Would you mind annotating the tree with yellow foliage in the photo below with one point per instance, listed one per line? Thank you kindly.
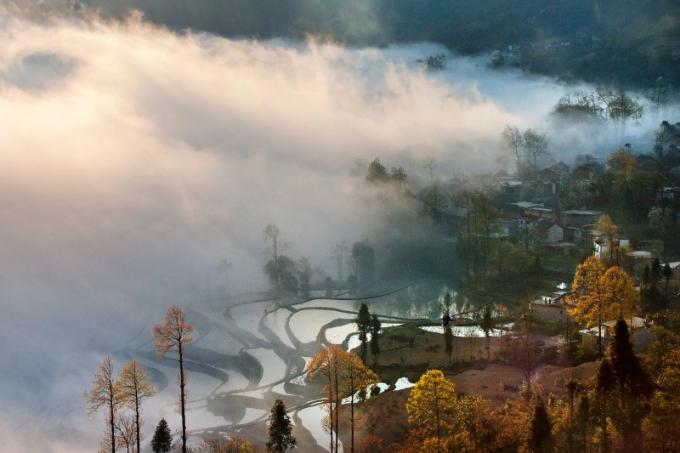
(325, 366)
(606, 226)
(662, 424)
(354, 376)
(618, 293)
(104, 394)
(585, 301)
(135, 387)
(432, 406)
(175, 332)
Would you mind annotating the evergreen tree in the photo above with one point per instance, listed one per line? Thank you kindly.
(280, 428)
(162, 439)
(539, 434)
(364, 325)
(375, 338)
(605, 385)
(667, 273)
(583, 420)
(634, 387)
(487, 325)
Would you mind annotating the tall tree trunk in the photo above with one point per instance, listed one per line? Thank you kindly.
(605, 447)
(337, 407)
(182, 398)
(351, 421)
(112, 420)
(139, 449)
(436, 414)
(330, 409)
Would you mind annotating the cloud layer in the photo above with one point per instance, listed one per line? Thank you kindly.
(132, 160)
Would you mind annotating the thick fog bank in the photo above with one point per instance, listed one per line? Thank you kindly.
(133, 160)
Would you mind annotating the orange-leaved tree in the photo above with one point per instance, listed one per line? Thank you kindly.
(175, 332)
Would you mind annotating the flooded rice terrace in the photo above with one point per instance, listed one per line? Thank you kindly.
(245, 356)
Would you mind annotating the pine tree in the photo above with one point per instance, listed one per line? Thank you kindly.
(633, 384)
(487, 325)
(539, 434)
(364, 325)
(375, 336)
(162, 439)
(583, 420)
(280, 429)
(605, 385)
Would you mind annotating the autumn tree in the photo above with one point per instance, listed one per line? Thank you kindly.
(585, 300)
(606, 226)
(175, 333)
(617, 293)
(235, 444)
(104, 394)
(539, 432)
(354, 376)
(126, 432)
(162, 439)
(325, 366)
(280, 429)
(431, 406)
(135, 387)
(662, 425)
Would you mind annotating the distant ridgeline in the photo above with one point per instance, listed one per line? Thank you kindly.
(629, 43)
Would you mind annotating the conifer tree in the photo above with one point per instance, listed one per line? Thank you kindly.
(364, 325)
(375, 336)
(487, 325)
(634, 387)
(539, 434)
(280, 429)
(162, 439)
(605, 383)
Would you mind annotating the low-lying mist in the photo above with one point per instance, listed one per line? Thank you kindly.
(133, 160)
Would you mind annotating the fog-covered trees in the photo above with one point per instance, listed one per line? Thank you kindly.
(104, 394)
(526, 148)
(280, 429)
(134, 388)
(175, 333)
(162, 439)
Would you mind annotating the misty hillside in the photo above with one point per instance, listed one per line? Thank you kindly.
(620, 42)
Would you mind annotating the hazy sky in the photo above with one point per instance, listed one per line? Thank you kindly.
(132, 160)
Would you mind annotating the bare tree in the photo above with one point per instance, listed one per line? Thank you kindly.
(271, 236)
(338, 254)
(126, 432)
(536, 146)
(175, 332)
(134, 387)
(104, 393)
(512, 138)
